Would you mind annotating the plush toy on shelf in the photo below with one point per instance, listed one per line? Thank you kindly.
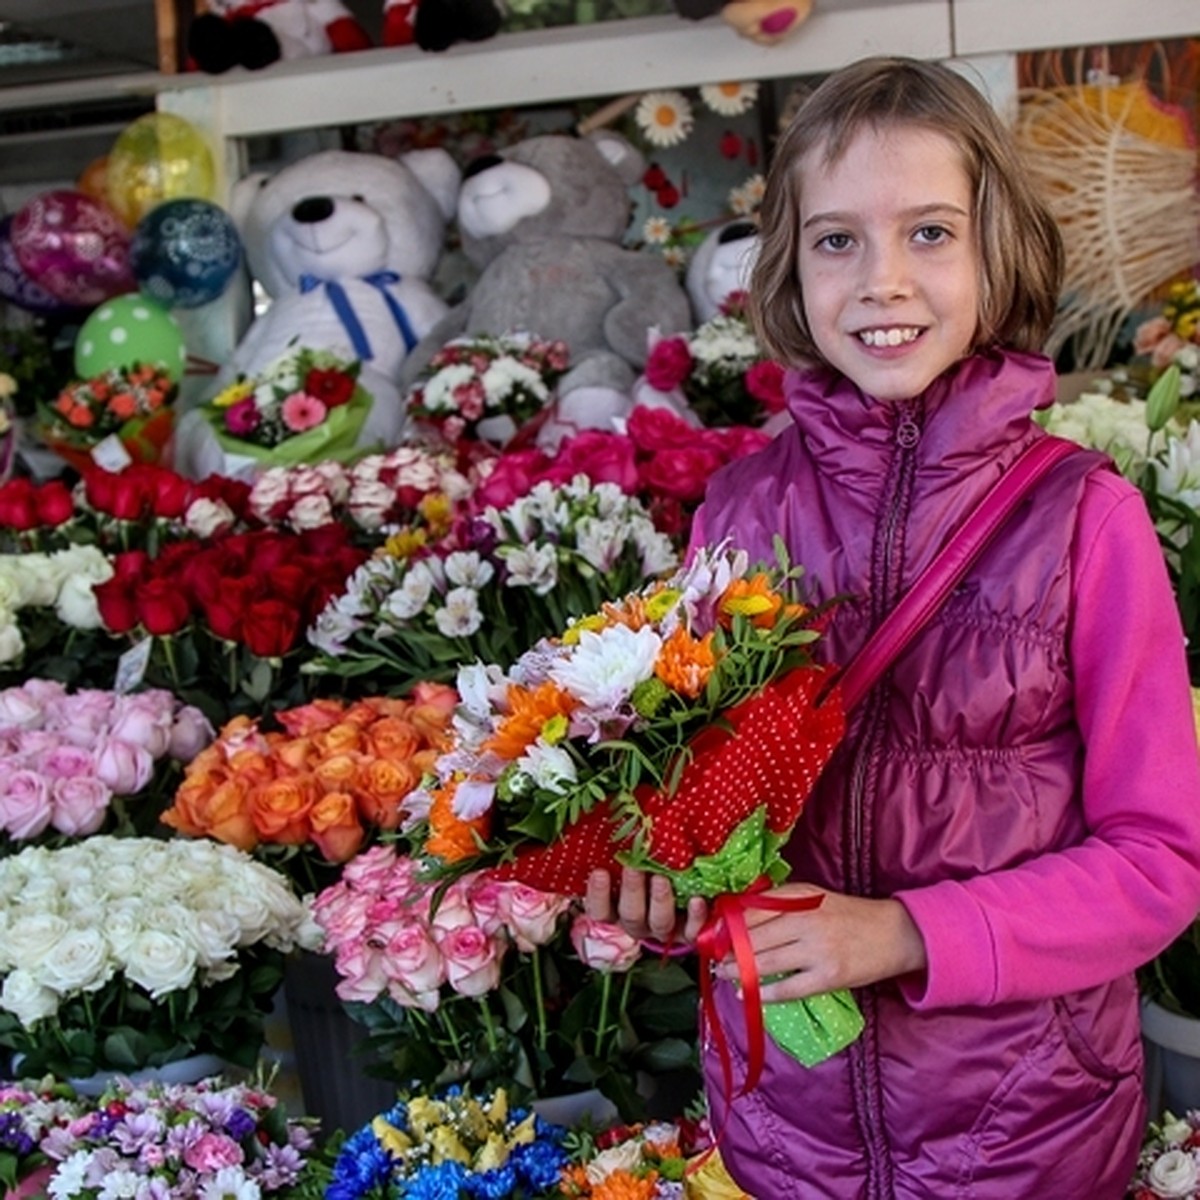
(543, 222)
(256, 33)
(762, 21)
(438, 24)
(721, 266)
(345, 243)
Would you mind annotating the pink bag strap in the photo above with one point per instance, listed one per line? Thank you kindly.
(934, 585)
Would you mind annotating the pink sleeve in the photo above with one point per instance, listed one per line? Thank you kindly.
(1075, 918)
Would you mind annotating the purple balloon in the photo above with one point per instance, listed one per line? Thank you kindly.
(17, 288)
(74, 247)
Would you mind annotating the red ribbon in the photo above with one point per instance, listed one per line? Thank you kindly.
(724, 932)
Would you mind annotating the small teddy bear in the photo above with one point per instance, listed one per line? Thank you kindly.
(762, 21)
(438, 24)
(543, 222)
(345, 243)
(721, 266)
(255, 33)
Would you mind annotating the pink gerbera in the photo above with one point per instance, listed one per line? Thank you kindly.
(243, 417)
(300, 411)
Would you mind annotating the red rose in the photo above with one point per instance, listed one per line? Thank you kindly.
(54, 503)
(225, 608)
(331, 387)
(511, 476)
(114, 599)
(764, 381)
(655, 429)
(170, 494)
(270, 628)
(127, 501)
(602, 457)
(680, 474)
(18, 505)
(669, 364)
(735, 441)
(161, 607)
(131, 565)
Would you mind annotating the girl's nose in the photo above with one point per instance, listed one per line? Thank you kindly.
(885, 274)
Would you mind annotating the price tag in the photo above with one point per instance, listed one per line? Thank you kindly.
(131, 666)
(111, 454)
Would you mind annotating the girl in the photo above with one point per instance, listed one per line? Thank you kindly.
(1012, 823)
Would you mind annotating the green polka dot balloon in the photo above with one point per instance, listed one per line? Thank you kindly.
(129, 330)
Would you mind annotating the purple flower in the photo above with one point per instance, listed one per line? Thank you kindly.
(135, 1131)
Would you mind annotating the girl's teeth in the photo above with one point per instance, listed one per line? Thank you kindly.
(888, 337)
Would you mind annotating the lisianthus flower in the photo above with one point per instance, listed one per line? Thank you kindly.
(729, 99)
(300, 411)
(664, 118)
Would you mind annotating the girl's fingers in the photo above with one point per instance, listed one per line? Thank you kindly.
(597, 900)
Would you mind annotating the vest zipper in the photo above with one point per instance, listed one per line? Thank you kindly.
(885, 589)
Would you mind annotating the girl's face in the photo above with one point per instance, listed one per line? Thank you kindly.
(888, 261)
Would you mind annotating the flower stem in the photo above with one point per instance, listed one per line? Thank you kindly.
(489, 1024)
(602, 1023)
(539, 999)
(168, 645)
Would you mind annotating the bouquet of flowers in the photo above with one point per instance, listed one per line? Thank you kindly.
(132, 405)
(487, 386)
(177, 1140)
(499, 983)
(307, 796)
(677, 730)
(1172, 336)
(1169, 1164)
(720, 369)
(30, 1112)
(118, 954)
(408, 489)
(77, 764)
(514, 574)
(452, 1145)
(307, 406)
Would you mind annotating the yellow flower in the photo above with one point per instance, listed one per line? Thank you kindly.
(661, 603)
(394, 1141)
(497, 1112)
(8, 386)
(555, 729)
(233, 393)
(447, 1147)
(524, 1133)
(404, 544)
(593, 624)
(492, 1155)
(436, 509)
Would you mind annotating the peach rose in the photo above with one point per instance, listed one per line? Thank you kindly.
(307, 719)
(342, 738)
(280, 809)
(394, 738)
(221, 812)
(338, 773)
(252, 766)
(336, 831)
(382, 785)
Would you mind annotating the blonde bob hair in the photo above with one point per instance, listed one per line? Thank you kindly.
(1020, 249)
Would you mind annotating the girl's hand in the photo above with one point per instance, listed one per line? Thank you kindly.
(645, 907)
(849, 941)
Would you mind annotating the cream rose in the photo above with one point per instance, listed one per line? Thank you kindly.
(160, 962)
(80, 962)
(28, 1000)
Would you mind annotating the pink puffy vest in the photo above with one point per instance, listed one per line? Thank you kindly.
(963, 760)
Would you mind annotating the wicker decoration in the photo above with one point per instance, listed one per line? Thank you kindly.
(1118, 168)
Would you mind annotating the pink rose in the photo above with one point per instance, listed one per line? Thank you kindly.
(454, 908)
(489, 905)
(533, 915)
(19, 709)
(415, 964)
(124, 767)
(680, 474)
(191, 731)
(212, 1151)
(43, 691)
(511, 477)
(604, 945)
(78, 806)
(602, 457)
(144, 719)
(66, 762)
(668, 364)
(1165, 351)
(24, 805)
(1149, 333)
(363, 973)
(472, 960)
(82, 715)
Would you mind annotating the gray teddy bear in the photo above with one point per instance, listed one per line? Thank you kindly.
(542, 222)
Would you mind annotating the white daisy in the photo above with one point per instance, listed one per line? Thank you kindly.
(657, 231)
(730, 99)
(665, 118)
(230, 1183)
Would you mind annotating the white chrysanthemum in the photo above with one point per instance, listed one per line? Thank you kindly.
(729, 99)
(460, 616)
(506, 376)
(657, 231)
(231, 1183)
(533, 567)
(438, 394)
(608, 665)
(550, 768)
(665, 118)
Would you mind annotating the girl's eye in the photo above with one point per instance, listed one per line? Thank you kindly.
(932, 235)
(834, 241)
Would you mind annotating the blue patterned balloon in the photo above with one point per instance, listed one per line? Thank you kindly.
(184, 252)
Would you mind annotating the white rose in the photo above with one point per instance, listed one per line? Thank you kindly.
(76, 604)
(1174, 1174)
(370, 500)
(160, 962)
(12, 642)
(31, 938)
(271, 489)
(11, 592)
(38, 577)
(622, 1157)
(310, 512)
(28, 1000)
(206, 518)
(214, 934)
(80, 963)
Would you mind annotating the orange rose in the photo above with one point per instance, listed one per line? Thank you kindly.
(338, 773)
(395, 738)
(382, 784)
(252, 767)
(433, 706)
(280, 809)
(335, 827)
(296, 754)
(222, 812)
(341, 738)
(388, 706)
(307, 719)
(361, 714)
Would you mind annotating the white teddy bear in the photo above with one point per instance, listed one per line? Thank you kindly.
(345, 244)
